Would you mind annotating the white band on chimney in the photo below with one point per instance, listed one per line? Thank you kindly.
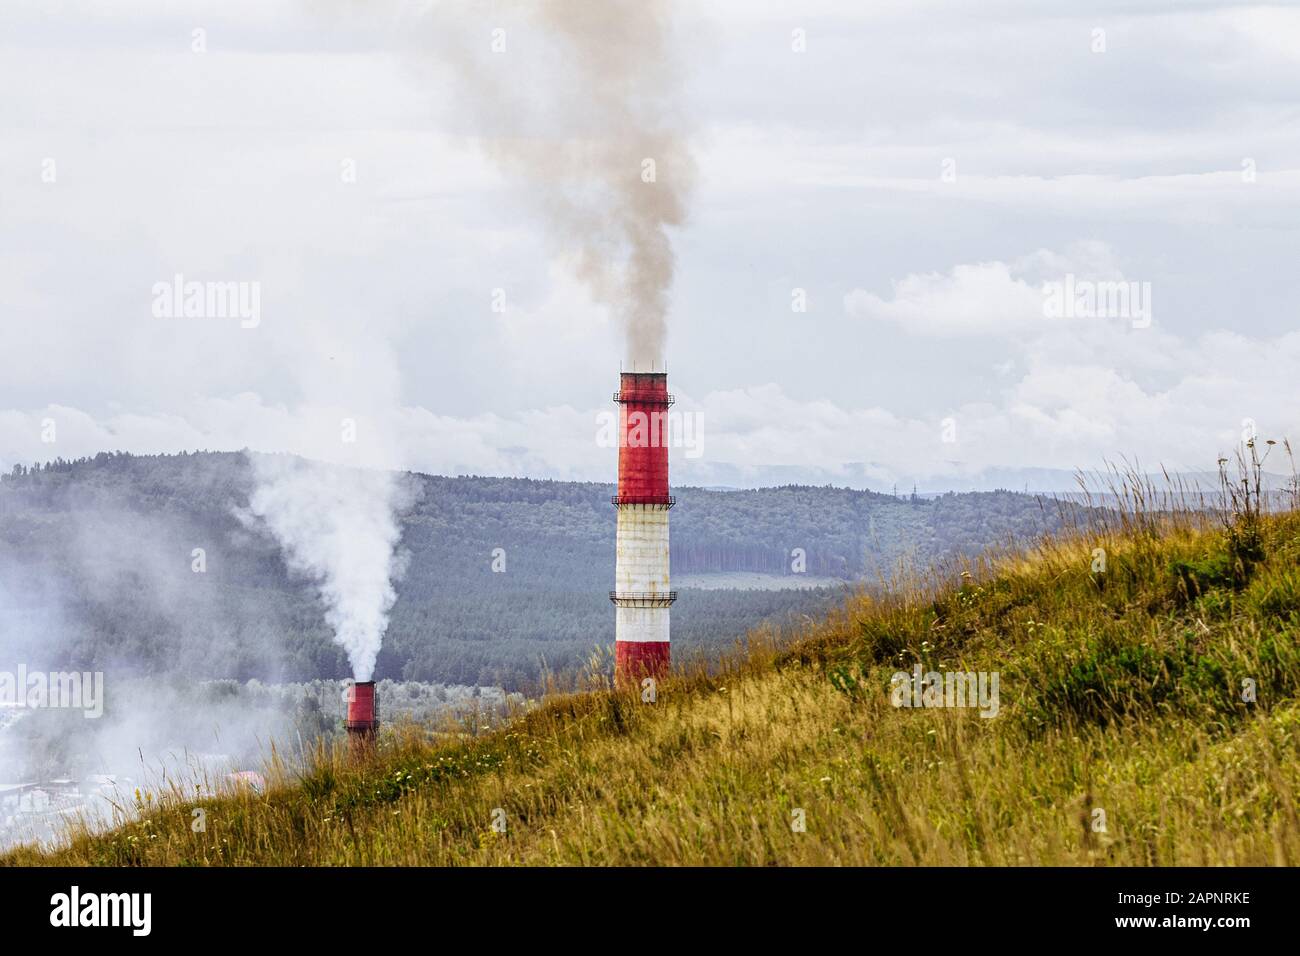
(642, 547)
(642, 625)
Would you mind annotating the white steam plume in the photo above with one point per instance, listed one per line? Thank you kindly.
(336, 516)
(339, 526)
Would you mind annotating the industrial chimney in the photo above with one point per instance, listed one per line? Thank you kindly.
(362, 721)
(641, 596)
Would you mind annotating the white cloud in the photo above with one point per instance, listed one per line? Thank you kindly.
(971, 300)
(1066, 411)
(986, 298)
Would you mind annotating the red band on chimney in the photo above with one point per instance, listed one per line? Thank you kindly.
(643, 438)
(636, 660)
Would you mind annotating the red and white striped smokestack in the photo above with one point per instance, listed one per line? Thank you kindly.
(641, 594)
(362, 721)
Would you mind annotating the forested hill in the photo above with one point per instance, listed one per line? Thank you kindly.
(96, 567)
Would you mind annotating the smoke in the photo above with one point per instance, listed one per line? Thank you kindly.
(580, 103)
(333, 503)
(338, 526)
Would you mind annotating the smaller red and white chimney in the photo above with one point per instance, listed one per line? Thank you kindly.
(362, 720)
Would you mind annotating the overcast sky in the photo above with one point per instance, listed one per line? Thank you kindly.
(923, 171)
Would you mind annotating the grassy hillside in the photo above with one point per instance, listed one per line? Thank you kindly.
(1120, 692)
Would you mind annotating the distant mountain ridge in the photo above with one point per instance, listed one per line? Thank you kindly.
(865, 476)
(98, 551)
